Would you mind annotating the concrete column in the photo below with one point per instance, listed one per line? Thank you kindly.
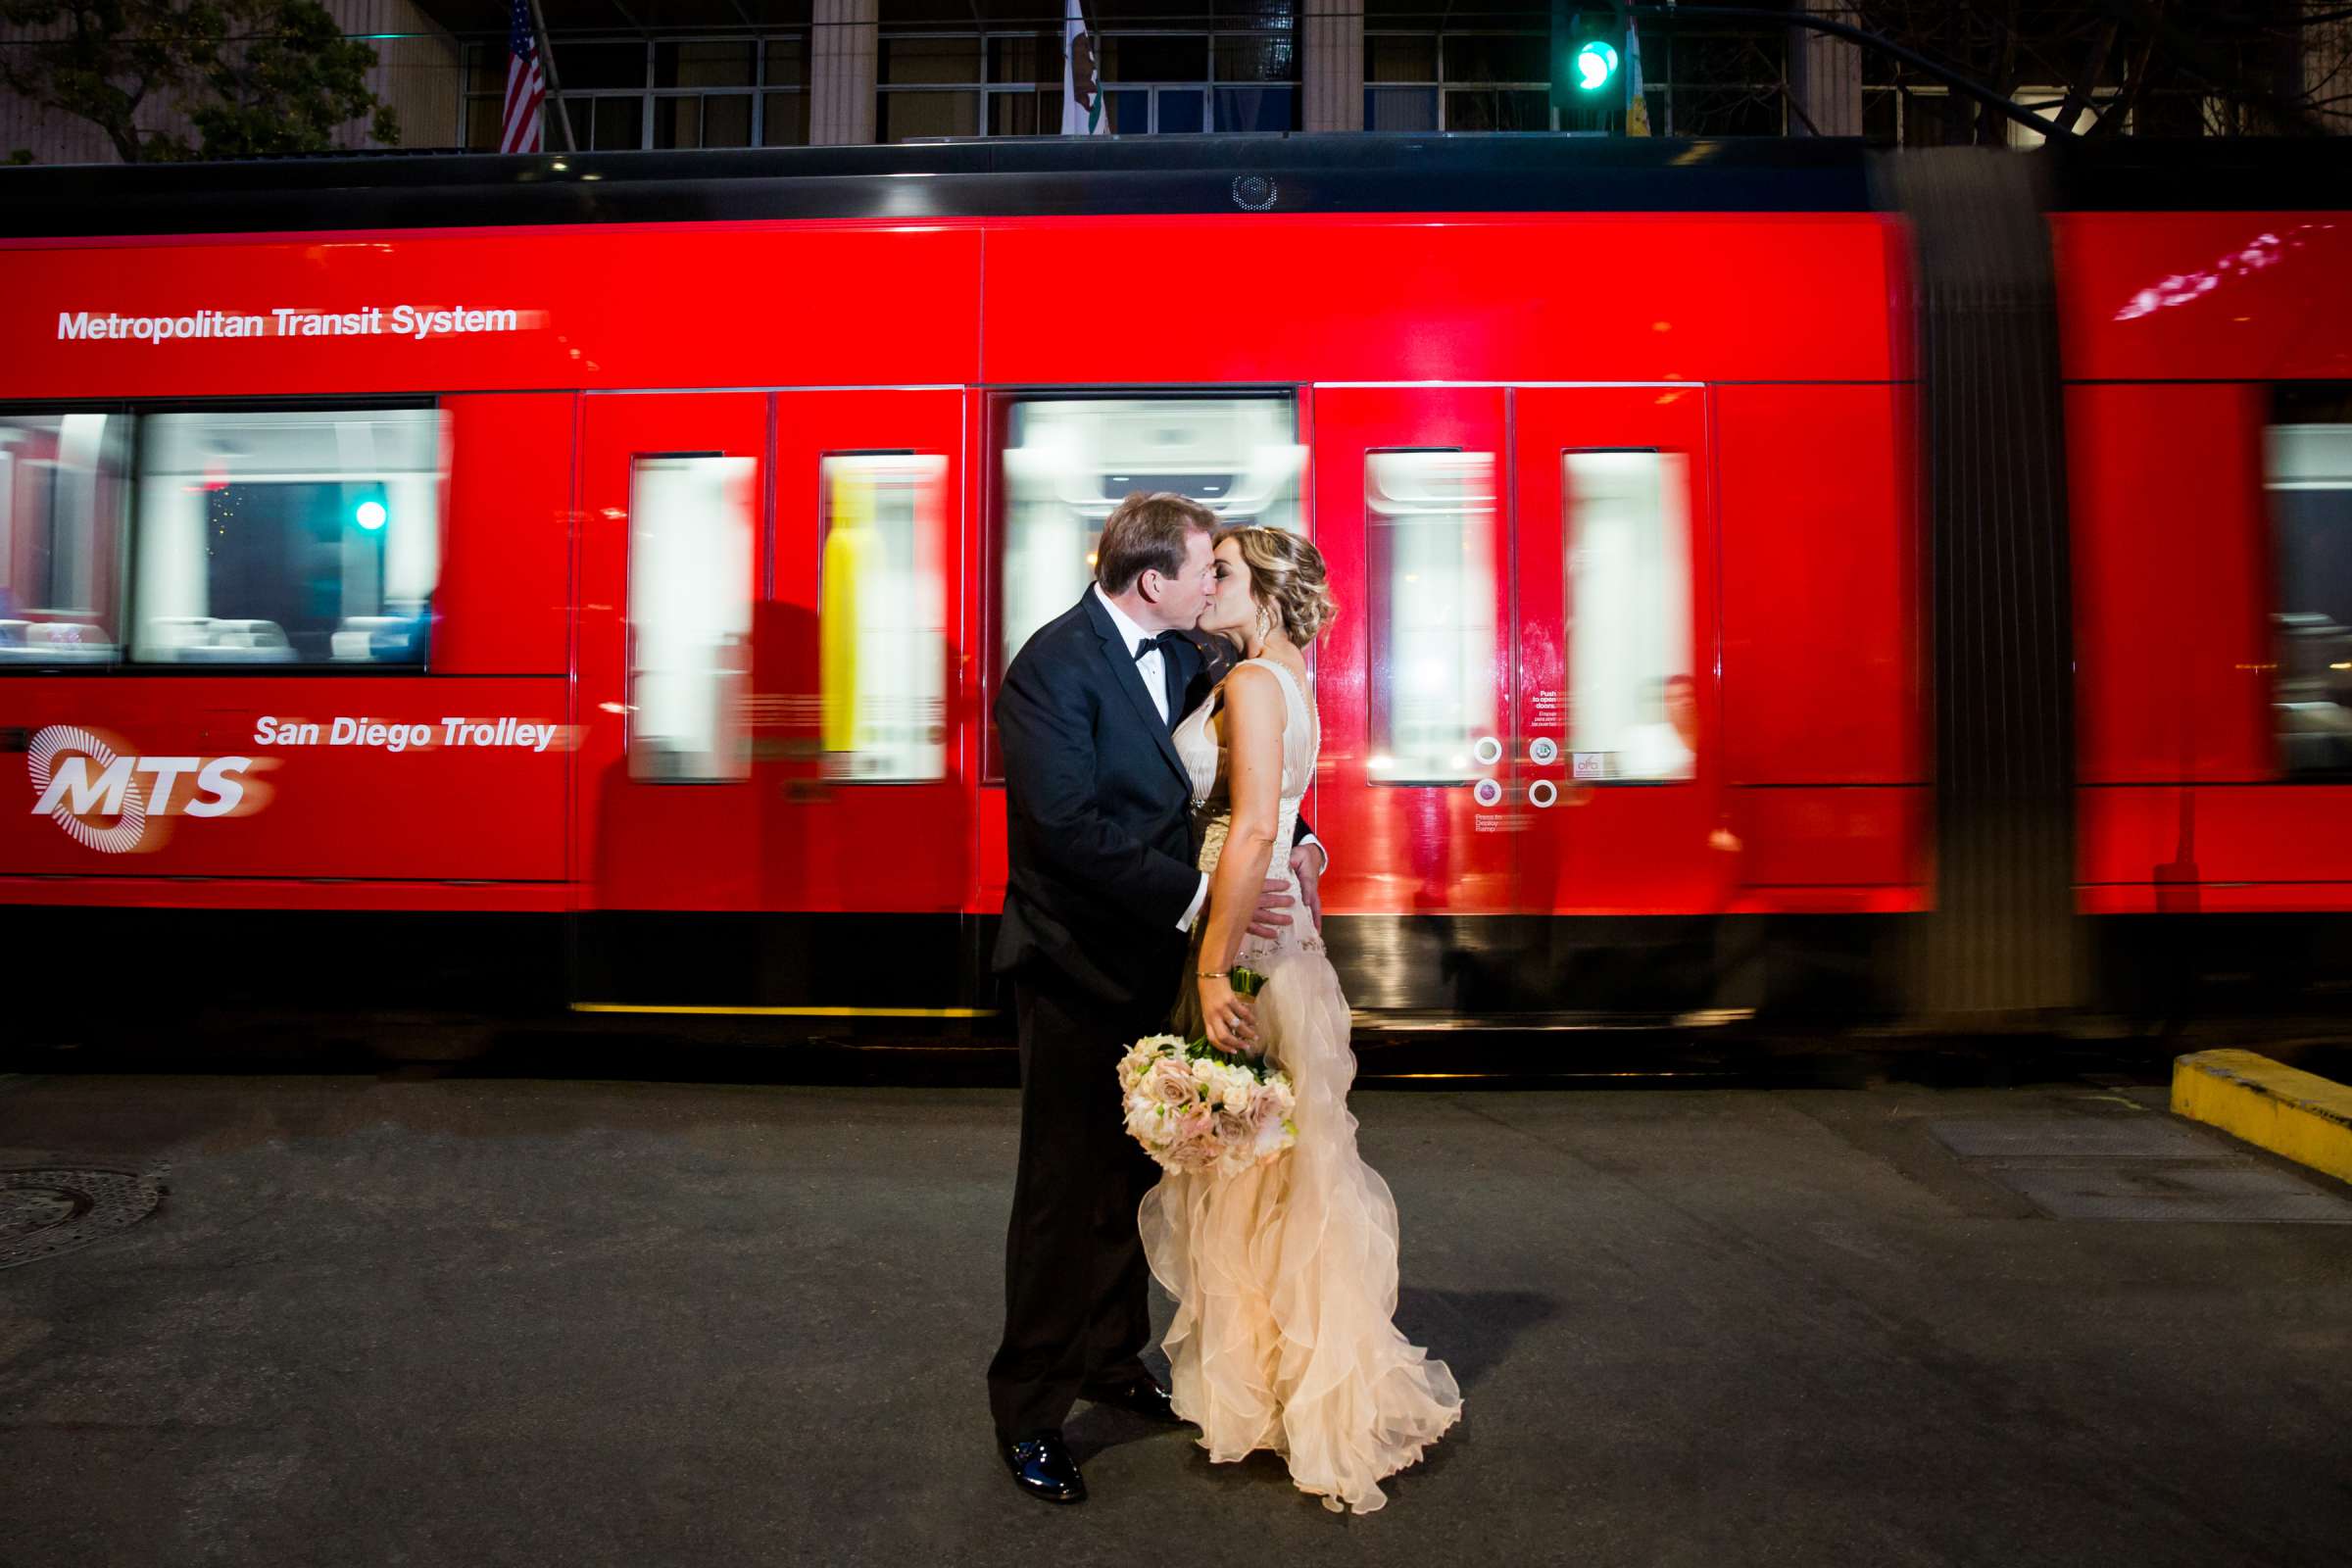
(1825, 75)
(1331, 67)
(841, 61)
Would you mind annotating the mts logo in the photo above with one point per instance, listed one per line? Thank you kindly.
(104, 799)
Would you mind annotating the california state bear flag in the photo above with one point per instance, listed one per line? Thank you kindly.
(1081, 88)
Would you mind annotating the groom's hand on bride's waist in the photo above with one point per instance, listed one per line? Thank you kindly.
(1273, 910)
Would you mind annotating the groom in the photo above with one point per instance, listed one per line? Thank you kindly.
(1102, 895)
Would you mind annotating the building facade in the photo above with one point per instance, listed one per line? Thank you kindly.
(672, 73)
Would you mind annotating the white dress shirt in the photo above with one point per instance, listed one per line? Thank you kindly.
(1154, 668)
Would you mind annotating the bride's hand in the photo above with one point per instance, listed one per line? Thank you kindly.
(1231, 1022)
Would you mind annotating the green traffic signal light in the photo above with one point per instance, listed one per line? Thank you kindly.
(1596, 67)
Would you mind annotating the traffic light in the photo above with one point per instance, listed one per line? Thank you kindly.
(1596, 67)
(1587, 85)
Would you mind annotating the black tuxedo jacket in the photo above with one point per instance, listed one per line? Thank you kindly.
(1097, 812)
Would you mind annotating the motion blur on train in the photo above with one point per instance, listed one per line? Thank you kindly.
(594, 604)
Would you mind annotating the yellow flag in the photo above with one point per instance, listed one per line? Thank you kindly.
(1637, 107)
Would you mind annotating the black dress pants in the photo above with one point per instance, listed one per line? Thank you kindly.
(1077, 1311)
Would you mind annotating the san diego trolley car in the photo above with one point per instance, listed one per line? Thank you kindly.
(1779, 578)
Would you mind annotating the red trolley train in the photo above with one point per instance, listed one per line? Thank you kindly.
(1775, 577)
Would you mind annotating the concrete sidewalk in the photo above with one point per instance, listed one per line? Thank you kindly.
(479, 1322)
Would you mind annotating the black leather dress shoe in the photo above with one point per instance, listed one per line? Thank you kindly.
(1043, 1468)
(1141, 1396)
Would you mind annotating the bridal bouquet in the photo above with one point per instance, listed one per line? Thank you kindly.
(1196, 1107)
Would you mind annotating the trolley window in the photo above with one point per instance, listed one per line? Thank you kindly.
(882, 617)
(690, 617)
(2307, 477)
(1429, 532)
(63, 490)
(1068, 461)
(287, 537)
(1635, 707)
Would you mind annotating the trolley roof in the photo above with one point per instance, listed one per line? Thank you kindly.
(1072, 177)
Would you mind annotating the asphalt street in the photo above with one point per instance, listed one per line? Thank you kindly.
(488, 1321)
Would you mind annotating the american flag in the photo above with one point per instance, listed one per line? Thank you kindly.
(519, 127)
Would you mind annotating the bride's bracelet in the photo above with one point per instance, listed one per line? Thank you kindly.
(1213, 974)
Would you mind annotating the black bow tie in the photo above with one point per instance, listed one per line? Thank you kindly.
(1167, 641)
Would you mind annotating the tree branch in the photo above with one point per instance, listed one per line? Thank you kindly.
(2136, 76)
(2094, 61)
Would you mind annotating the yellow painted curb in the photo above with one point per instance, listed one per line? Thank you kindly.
(2289, 1111)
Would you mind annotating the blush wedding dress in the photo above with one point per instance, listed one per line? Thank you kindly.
(1285, 1276)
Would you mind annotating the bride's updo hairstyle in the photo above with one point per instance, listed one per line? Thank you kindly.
(1286, 573)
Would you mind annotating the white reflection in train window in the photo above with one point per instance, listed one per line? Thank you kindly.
(690, 617)
(62, 492)
(1069, 460)
(1628, 547)
(2308, 477)
(882, 617)
(1429, 520)
(300, 536)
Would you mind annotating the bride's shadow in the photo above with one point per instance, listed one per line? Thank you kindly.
(1470, 1331)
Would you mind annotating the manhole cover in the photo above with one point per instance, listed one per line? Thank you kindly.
(2069, 1137)
(2211, 1191)
(45, 1212)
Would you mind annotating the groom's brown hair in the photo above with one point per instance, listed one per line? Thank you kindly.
(1146, 533)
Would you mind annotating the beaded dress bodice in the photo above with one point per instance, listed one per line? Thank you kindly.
(1204, 759)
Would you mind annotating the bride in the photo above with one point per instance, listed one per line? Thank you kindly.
(1285, 1276)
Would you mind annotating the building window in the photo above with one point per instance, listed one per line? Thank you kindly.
(287, 537)
(1024, 85)
(703, 93)
(1170, 83)
(1707, 78)
(675, 92)
(1458, 81)
(784, 91)
(936, 78)
(1716, 79)
(935, 83)
(63, 491)
(2307, 480)
(1910, 113)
